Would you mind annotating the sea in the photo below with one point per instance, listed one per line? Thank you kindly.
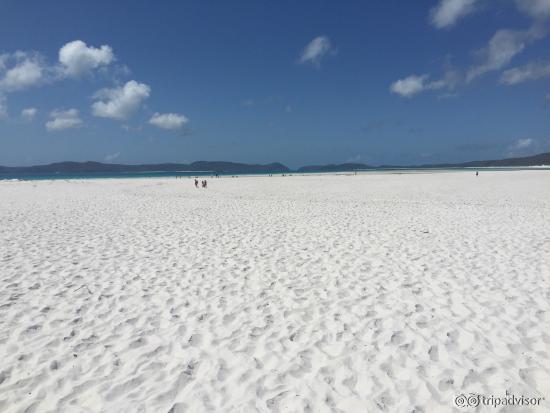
(189, 174)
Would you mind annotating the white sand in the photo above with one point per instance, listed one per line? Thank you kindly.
(376, 292)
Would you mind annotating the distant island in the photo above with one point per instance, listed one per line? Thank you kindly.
(219, 167)
(535, 160)
(98, 167)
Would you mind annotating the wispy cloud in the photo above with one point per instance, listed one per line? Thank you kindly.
(354, 159)
(3, 108)
(502, 48)
(524, 146)
(248, 102)
(3, 60)
(121, 102)
(63, 119)
(447, 12)
(415, 84)
(530, 71)
(29, 113)
(537, 9)
(523, 143)
(111, 157)
(316, 50)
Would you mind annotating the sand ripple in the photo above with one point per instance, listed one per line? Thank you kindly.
(390, 293)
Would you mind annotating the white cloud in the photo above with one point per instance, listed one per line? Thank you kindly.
(28, 71)
(63, 119)
(530, 71)
(77, 58)
(111, 157)
(537, 9)
(3, 108)
(315, 51)
(3, 61)
(448, 12)
(414, 84)
(524, 143)
(502, 48)
(520, 145)
(21, 70)
(409, 86)
(120, 103)
(170, 121)
(29, 113)
(523, 146)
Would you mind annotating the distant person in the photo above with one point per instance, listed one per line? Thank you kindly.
(196, 183)
(205, 184)
(477, 173)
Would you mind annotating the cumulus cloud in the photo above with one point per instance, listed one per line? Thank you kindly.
(414, 84)
(63, 119)
(27, 71)
(29, 113)
(530, 71)
(315, 51)
(21, 70)
(77, 58)
(120, 103)
(448, 12)
(170, 121)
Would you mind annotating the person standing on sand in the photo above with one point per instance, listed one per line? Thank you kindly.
(196, 183)
(477, 173)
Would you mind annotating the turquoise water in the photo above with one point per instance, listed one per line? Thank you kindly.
(137, 175)
(115, 175)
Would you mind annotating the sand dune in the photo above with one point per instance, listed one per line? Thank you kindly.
(328, 293)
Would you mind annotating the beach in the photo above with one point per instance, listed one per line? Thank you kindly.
(319, 293)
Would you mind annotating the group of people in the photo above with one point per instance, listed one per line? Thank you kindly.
(204, 183)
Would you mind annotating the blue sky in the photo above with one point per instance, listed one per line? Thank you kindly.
(257, 81)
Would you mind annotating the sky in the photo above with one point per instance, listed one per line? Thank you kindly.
(309, 82)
